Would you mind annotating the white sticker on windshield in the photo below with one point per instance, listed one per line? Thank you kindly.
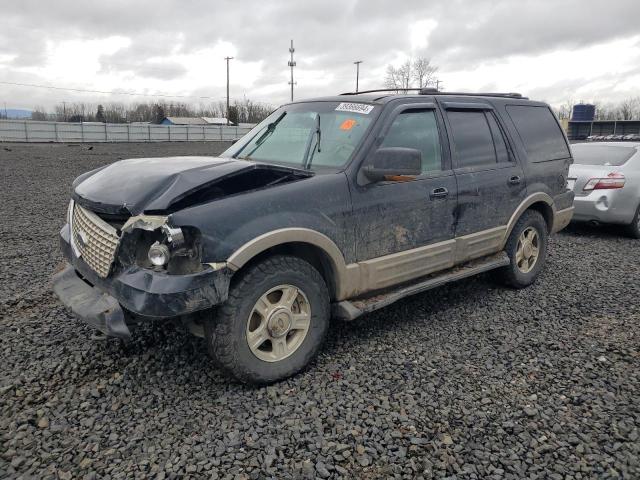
(355, 108)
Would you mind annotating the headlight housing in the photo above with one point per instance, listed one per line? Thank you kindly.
(162, 248)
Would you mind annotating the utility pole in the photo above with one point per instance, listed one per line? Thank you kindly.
(357, 64)
(438, 82)
(64, 110)
(227, 59)
(291, 65)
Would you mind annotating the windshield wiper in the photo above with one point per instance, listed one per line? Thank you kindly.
(308, 155)
(270, 128)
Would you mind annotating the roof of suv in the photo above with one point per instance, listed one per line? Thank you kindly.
(383, 97)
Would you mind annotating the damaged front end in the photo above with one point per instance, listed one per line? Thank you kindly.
(142, 265)
(123, 250)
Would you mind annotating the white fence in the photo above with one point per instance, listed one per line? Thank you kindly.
(32, 131)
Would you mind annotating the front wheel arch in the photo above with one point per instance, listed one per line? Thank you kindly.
(312, 254)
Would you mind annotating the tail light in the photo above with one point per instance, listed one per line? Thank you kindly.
(613, 180)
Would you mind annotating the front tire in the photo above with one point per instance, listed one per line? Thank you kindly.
(273, 323)
(527, 250)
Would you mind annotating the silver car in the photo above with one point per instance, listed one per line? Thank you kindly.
(605, 178)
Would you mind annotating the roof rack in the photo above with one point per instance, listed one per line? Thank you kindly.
(434, 91)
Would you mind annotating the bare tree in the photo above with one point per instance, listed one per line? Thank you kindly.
(158, 114)
(566, 109)
(636, 109)
(100, 116)
(391, 79)
(628, 108)
(399, 78)
(424, 73)
(416, 73)
(39, 113)
(605, 111)
(115, 113)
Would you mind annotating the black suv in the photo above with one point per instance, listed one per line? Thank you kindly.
(330, 207)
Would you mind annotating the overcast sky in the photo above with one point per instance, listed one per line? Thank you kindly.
(549, 50)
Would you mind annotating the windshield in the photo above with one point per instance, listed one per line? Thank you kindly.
(612, 155)
(308, 135)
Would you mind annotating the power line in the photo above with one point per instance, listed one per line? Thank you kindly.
(131, 94)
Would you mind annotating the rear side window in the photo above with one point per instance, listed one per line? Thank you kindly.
(472, 138)
(607, 155)
(540, 133)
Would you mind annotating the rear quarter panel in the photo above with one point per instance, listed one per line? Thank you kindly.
(548, 176)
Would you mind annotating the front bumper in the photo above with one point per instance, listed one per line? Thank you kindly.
(99, 310)
(144, 292)
(605, 206)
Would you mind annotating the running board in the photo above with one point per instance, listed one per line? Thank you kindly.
(352, 309)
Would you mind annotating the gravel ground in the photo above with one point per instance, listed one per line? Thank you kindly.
(467, 381)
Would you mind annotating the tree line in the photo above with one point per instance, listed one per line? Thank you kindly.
(626, 109)
(240, 111)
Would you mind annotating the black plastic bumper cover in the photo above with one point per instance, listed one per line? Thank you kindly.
(101, 311)
(153, 294)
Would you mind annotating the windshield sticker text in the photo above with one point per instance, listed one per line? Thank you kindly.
(355, 108)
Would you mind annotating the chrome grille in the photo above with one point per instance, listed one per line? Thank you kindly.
(94, 240)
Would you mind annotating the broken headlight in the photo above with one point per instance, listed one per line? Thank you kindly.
(159, 254)
(168, 249)
(175, 236)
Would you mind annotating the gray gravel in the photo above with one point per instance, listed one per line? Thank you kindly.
(467, 381)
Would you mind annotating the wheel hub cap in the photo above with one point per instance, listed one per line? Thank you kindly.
(528, 250)
(279, 323)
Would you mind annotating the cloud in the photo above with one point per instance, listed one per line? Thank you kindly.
(420, 32)
(539, 47)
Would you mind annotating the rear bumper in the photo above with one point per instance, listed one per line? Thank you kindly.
(144, 292)
(605, 206)
(561, 219)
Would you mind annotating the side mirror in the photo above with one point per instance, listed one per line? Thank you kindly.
(395, 164)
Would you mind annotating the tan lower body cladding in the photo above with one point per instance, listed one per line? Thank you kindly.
(355, 279)
(382, 272)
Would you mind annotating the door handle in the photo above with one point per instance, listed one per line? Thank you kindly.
(515, 180)
(439, 192)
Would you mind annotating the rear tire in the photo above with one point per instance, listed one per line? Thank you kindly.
(527, 250)
(633, 229)
(273, 323)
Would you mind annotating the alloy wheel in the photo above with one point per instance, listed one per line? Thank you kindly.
(278, 323)
(528, 250)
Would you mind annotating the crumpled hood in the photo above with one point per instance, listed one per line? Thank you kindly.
(152, 184)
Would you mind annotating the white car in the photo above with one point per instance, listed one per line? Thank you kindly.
(605, 178)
